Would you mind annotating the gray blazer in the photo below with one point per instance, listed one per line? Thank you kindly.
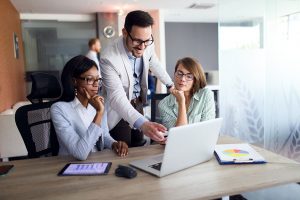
(73, 137)
(118, 80)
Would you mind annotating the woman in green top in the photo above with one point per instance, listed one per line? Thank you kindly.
(190, 101)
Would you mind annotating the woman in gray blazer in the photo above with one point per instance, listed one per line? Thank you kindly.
(79, 118)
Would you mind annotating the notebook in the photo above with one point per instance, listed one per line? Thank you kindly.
(237, 154)
(186, 146)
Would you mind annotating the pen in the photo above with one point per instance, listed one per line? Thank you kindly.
(250, 160)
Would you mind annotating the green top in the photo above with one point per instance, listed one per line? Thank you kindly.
(201, 108)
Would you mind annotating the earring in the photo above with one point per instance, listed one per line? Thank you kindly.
(75, 91)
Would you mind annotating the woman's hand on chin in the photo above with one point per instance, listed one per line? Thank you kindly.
(179, 95)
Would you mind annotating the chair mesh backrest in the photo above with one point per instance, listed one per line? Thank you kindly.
(155, 99)
(39, 123)
(36, 128)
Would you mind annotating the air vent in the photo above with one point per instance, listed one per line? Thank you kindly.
(201, 5)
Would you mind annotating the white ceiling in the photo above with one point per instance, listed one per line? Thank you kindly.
(174, 10)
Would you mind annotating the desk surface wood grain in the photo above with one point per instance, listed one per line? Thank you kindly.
(37, 178)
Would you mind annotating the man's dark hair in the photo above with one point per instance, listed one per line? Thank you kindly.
(93, 41)
(138, 18)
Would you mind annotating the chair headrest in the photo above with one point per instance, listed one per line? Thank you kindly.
(44, 87)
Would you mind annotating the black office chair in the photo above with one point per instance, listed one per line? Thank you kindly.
(44, 87)
(37, 130)
(155, 98)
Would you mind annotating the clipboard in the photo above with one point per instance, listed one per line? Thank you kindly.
(227, 154)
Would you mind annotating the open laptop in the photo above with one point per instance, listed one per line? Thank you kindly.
(186, 146)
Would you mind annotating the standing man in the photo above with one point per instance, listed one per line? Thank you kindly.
(125, 65)
(94, 49)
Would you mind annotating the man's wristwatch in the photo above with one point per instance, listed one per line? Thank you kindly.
(169, 86)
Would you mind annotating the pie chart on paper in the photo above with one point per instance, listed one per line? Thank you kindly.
(235, 153)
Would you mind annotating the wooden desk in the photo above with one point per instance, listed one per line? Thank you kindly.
(37, 179)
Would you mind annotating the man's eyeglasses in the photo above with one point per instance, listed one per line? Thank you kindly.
(138, 42)
(188, 76)
(91, 80)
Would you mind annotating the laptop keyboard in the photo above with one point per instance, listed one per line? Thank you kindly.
(156, 166)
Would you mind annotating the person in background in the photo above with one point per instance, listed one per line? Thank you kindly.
(94, 50)
(190, 101)
(124, 67)
(79, 117)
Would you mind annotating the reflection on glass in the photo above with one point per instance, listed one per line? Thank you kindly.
(242, 35)
(50, 44)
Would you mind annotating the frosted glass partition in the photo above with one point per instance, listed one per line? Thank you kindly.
(259, 67)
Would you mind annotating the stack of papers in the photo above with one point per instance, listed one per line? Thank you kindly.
(237, 154)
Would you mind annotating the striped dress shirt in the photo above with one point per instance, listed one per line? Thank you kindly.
(201, 108)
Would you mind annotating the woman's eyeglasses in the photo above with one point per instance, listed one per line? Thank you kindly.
(91, 80)
(188, 76)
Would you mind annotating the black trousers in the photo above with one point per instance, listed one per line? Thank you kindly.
(123, 132)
